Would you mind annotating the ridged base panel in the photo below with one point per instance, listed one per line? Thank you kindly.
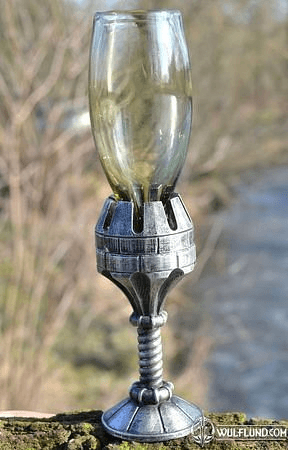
(151, 423)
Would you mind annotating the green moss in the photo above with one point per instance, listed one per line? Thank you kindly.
(83, 431)
(124, 445)
(87, 427)
(230, 418)
(84, 442)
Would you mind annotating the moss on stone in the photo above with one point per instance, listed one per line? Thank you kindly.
(83, 431)
(124, 445)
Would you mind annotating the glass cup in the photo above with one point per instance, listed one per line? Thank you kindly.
(140, 101)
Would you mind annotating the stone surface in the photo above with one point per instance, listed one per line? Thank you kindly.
(83, 431)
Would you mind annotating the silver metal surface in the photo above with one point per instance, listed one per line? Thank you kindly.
(151, 423)
(147, 264)
(145, 260)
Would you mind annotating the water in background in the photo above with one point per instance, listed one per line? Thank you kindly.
(248, 302)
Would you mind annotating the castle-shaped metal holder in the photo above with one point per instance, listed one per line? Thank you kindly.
(145, 265)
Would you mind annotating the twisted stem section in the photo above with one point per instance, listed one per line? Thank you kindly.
(150, 357)
(150, 389)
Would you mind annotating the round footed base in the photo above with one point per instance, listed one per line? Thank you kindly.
(151, 423)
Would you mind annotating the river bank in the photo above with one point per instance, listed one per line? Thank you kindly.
(243, 291)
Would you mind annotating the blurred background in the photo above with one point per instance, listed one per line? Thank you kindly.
(65, 339)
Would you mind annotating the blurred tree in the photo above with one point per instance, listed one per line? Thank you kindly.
(44, 59)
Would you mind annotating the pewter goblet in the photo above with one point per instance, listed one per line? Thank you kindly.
(141, 110)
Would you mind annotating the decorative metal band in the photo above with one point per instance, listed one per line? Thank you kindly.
(151, 396)
(121, 263)
(146, 245)
(149, 322)
(164, 244)
(117, 219)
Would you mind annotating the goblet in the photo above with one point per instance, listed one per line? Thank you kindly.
(141, 111)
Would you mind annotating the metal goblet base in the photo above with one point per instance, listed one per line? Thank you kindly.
(145, 264)
(170, 419)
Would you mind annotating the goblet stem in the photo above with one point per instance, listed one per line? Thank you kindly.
(150, 389)
(150, 357)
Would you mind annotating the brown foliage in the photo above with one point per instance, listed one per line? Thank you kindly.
(44, 238)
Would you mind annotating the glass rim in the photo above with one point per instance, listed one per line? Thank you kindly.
(137, 14)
